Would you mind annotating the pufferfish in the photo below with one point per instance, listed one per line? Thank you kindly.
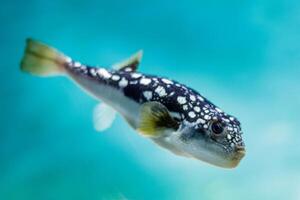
(169, 113)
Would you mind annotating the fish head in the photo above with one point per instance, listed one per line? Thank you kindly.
(217, 140)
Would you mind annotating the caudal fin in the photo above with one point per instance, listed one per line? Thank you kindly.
(42, 60)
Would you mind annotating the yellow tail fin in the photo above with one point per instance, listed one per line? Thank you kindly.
(42, 60)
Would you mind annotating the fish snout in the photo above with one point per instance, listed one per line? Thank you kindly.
(240, 149)
(239, 153)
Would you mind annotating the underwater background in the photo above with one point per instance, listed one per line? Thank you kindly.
(242, 55)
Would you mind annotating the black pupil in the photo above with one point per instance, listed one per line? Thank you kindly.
(217, 127)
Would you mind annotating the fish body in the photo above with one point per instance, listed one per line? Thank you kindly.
(171, 114)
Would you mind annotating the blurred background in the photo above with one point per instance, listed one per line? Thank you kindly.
(242, 55)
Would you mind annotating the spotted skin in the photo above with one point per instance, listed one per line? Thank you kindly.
(169, 113)
(191, 107)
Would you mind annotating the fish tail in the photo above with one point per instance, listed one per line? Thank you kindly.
(42, 60)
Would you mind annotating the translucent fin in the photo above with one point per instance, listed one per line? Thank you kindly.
(130, 64)
(154, 119)
(103, 116)
(42, 60)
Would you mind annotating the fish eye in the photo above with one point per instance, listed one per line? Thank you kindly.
(217, 127)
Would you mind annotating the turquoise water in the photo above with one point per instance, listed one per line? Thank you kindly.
(242, 55)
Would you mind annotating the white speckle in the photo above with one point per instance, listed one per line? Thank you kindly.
(184, 88)
(232, 145)
(147, 95)
(128, 69)
(230, 128)
(226, 120)
(192, 114)
(231, 118)
(93, 71)
(172, 93)
(178, 85)
(105, 74)
(207, 117)
(200, 120)
(185, 107)
(161, 91)
(193, 98)
(167, 81)
(84, 70)
(145, 81)
(205, 126)
(197, 108)
(123, 83)
(77, 64)
(206, 111)
(181, 100)
(200, 98)
(136, 75)
(219, 110)
(68, 59)
(155, 80)
(228, 136)
(133, 82)
(115, 77)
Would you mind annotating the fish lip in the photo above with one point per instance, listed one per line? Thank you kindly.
(240, 150)
(237, 156)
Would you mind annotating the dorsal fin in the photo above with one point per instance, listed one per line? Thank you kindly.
(131, 63)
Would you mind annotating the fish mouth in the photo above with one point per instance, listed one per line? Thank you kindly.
(237, 156)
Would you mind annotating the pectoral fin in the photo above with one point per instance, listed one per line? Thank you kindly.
(130, 64)
(103, 117)
(155, 119)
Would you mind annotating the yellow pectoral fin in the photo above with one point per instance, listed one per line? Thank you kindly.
(155, 119)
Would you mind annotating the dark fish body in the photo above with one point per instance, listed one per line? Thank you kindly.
(173, 115)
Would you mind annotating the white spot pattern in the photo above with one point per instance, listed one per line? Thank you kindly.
(185, 107)
(136, 75)
(133, 82)
(128, 69)
(197, 108)
(145, 81)
(200, 98)
(200, 120)
(193, 98)
(181, 100)
(161, 91)
(77, 64)
(93, 72)
(105, 74)
(192, 114)
(228, 136)
(147, 95)
(219, 110)
(115, 77)
(123, 83)
(207, 117)
(167, 81)
(68, 59)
